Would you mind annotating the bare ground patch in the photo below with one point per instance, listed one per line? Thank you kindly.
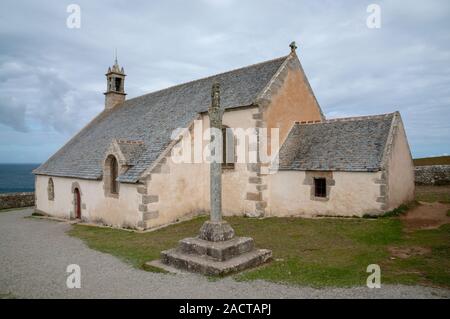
(406, 252)
(426, 216)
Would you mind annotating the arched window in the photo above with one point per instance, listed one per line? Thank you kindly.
(114, 173)
(227, 147)
(111, 172)
(50, 189)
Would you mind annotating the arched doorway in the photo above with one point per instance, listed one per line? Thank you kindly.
(77, 201)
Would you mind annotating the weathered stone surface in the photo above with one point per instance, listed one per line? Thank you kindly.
(432, 175)
(147, 199)
(211, 267)
(255, 180)
(161, 168)
(216, 231)
(259, 123)
(261, 205)
(215, 113)
(257, 116)
(254, 167)
(254, 196)
(383, 190)
(150, 215)
(261, 187)
(222, 250)
(15, 200)
(142, 190)
(381, 199)
(256, 213)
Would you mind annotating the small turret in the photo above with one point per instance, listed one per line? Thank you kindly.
(115, 86)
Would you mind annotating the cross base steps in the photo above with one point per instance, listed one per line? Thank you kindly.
(209, 266)
(216, 251)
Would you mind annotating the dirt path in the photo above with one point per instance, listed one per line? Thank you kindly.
(426, 216)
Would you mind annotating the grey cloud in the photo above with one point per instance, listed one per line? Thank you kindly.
(12, 113)
(52, 77)
(39, 96)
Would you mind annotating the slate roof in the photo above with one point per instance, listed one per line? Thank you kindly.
(131, 150)
(350, 144)
(151, 118)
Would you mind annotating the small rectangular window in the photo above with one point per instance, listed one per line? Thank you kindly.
(227, 148)
(320, 187)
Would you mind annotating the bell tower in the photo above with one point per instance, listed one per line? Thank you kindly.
(115, 86)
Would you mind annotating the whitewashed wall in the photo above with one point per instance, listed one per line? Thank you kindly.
(354, 194)
(118, 212)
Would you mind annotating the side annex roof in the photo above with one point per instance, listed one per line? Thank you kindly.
(347, 144)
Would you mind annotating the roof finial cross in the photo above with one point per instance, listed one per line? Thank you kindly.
(115, 54)
(293, 46)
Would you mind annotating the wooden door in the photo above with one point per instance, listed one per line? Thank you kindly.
(77, 203)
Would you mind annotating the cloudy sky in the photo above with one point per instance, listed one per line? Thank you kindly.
(52, 76)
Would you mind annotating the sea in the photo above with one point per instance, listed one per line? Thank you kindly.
(17, 178)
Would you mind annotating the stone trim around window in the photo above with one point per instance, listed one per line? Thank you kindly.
(51, 189)
(107, 182)
(228, 148)
(309, 180)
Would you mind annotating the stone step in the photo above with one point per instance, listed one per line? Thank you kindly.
(222, 250)
(208, 266)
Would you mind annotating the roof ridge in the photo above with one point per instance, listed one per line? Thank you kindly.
(347, 119)
(208, 77)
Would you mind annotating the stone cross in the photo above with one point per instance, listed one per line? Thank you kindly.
(215, 113)
(216, 251)
(216, 229)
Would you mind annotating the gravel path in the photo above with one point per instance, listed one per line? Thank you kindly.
(34, 255)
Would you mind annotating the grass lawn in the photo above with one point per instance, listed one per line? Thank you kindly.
(433, 194)
(314, 252)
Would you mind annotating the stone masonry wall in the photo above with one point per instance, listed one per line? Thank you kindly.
(432, 175)
(15, 200)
